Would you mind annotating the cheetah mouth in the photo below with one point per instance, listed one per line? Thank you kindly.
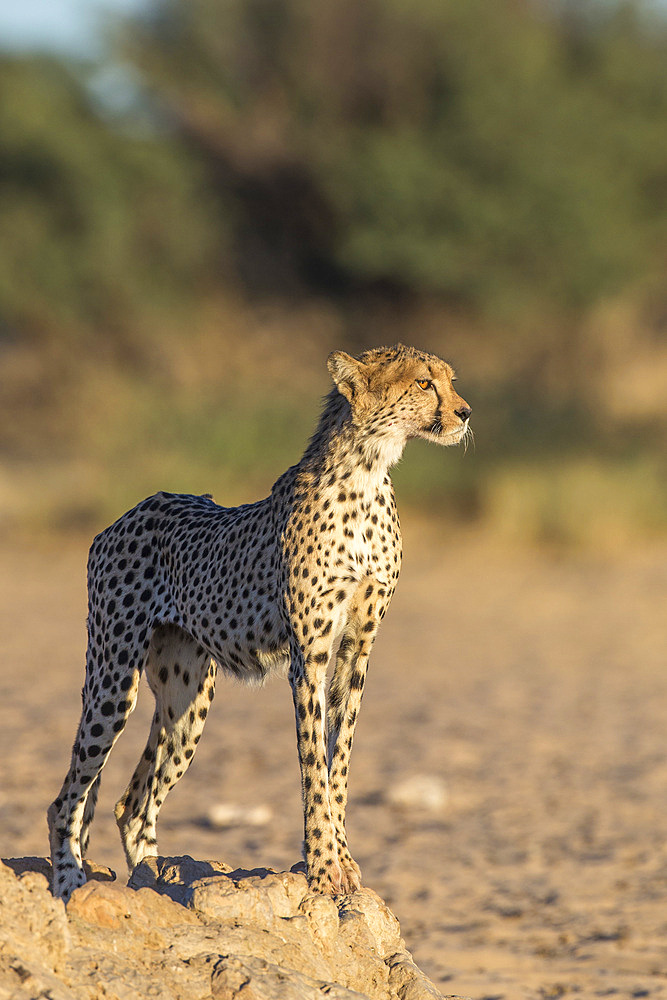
(437, 430)
(436, 433)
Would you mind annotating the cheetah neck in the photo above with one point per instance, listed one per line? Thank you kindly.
(356, 450)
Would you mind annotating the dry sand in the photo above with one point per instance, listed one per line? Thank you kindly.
(531, 692)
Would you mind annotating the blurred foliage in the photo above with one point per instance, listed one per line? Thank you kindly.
(510, 159)
(98, 225)
(487, 180)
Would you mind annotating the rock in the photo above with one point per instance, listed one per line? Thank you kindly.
(113, 906)
(175, 877)
(259, 980)
(97, 873)
(34, 934)
(196, 930)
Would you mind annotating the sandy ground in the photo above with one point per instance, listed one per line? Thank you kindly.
(531, 692)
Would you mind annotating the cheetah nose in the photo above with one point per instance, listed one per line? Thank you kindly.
(463, 413)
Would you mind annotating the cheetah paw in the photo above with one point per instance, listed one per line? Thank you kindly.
(328, 881)
(337, 879)
(65, 883)
(351, 874)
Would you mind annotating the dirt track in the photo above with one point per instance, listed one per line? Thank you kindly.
(535, 690)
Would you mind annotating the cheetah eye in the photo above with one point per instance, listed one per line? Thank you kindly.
(424, 383)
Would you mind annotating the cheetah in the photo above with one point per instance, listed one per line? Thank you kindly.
(182, 587)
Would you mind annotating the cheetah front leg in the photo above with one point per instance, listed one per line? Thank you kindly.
(307, 678)
(345, 694)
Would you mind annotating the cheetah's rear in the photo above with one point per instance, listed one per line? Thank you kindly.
(180, 586)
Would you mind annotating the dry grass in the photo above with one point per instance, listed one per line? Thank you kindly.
(227, 405)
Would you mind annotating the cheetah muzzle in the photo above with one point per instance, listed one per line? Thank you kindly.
(180, 587)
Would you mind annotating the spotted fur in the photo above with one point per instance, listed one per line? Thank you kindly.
(181, 587)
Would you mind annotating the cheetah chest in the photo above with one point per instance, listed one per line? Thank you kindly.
(352, 537)
(366, 544)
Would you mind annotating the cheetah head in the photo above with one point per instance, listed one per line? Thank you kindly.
(401, 393)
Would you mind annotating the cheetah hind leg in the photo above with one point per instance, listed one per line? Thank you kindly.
(70, 815)
(88, 812)
(181, 675)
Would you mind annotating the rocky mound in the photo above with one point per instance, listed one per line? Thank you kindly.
(194, 930)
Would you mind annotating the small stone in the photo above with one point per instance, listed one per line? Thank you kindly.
(421, 791)
(227, 814)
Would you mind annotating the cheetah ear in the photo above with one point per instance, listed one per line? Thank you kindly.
(348, 374)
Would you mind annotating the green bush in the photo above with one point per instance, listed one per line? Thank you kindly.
(99, 225)
(502, 155)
